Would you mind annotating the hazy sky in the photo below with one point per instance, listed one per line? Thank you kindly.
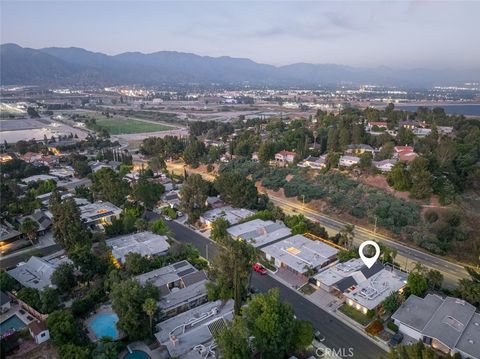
(401, 34)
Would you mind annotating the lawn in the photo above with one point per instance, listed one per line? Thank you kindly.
(117, 126)
(356, 315)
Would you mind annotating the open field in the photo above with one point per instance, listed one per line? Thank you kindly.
(118, 126)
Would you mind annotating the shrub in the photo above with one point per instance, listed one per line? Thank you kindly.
(431, 216)
(392, 326)
(374, 328)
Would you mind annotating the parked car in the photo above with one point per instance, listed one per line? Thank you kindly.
(257, 267)
(319, 336)
(395, 340)
(167, 218)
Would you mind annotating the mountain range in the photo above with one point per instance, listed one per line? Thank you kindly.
(56, 66)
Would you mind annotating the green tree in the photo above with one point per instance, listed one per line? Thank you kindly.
(128, 297)
(399, 177)
(391, 303)
(136, 264)
(50, 300)
(266, 151)
(105, 348)
(7, 283)
(236, 190)
(64, 278)
(366, 160)
(219, 229)
(29, 227)
(161, 228)
(232, 341)
(271, 323)
(72, 351)
(469, 289)
(347, 235)
(68, 229)
(434, 279)
(149, 193)
(302, 335)
(31, 296)
(157, 164)
(109, 186)
(193, 196)
(150, 308)
(193, 152)
(231, 269)
(417, 283)
(63, 328)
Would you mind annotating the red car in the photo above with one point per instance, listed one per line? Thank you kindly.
(257, 267)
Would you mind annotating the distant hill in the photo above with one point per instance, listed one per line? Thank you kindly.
(66, 66)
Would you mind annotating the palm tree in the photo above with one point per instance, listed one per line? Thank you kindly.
(29, 227)
(347, 235)
(150, 307)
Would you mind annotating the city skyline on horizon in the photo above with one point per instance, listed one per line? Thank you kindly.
(359, 34)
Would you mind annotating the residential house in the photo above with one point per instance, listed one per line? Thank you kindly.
(300, 254)
(404, 153)
(37, 178)
(8, 233)
(385, 165)
(98, 214)
(370, 293)
(214, 202)
(98, 165)
(449, 325)
(39, 332)
(260, 233)
(255, 157)
(376, 125)
(285, 157)
(359, 149)
(444, 130)
(409, 125)
(349, 161)
(36, 272)
(232, 215)
(41, 218)
(314, 162)
(421, 132)
(182, 287)
(144, 243)
(191, 334)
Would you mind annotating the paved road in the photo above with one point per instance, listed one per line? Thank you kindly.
(12, 261)
(407, 257)
(338, 335)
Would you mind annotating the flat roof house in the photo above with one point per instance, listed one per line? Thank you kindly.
(232, 215)
(99, 213)
(370, 293)
(335, 277)
(182, 287)
(359, 149)
(298, 254)
(144, 243)
(385, 165)
(348, 161)
(313, 162)
(285, 156)
(36, 272)
(260, 233)
(191, 334)
(449, 325)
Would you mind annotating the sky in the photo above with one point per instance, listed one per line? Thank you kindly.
(399, 34)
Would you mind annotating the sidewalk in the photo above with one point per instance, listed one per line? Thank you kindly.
(333, 311)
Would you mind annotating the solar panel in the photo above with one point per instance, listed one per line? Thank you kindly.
(216, 326)
(186, 271)
(180, 264)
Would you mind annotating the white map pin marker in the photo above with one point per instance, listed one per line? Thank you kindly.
(369, 262)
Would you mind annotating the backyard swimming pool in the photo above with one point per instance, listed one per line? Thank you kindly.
(14, 322)
(104, 325)
(137, 354)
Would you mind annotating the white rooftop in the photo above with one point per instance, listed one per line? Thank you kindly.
(339, 271)
(39, 178)
(36, 272)
(299, 252)
(94, 211)
(232, 215)
(260, 233)
(144, 243)
(371, 292)
(185, 332)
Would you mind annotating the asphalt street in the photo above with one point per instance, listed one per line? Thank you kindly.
(406, 256)
(338, 335)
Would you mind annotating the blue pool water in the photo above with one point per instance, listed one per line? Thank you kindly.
(104, 325)
(137, 354)
(13, 322)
